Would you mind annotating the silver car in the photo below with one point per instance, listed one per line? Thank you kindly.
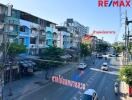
(105, 66)
(90, 94)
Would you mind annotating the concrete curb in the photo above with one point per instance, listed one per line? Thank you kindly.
(123, 89)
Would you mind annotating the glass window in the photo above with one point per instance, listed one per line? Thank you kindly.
(22, 29)
(87, 97)
(11, 28)
(32, 40)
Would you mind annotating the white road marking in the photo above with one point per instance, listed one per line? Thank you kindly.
(103, 98)
(45, 98)
(74, 98)
(109, 72)
(79, 92)
(115, 67)
(86, 84)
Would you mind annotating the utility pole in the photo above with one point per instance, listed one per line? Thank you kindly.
(5, 40)
(79, 48)
(127, 35)
(126, 46)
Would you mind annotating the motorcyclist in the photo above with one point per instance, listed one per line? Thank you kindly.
(116, 87)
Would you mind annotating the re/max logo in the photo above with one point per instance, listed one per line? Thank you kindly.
(114, 3)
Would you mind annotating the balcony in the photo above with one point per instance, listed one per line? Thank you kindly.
(49, 35)
(55, 36)
(2, 16)
(12, 21)
(42, 38)
(49, 29)
(42, 33)
(55, 43)
(34, 33)
(41, 45)
(49, 43)
(34, 26)
(1, 27)
(24, 33)
(42, 28)
(13, 33)
(55, 30)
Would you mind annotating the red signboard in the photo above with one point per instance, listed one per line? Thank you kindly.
(130, 90)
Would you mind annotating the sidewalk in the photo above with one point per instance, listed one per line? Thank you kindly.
(29, 84)
(123, 87)
(124, 91)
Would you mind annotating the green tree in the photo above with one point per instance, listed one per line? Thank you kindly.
(102, 47)
(130, 48)
(15, 49)
(85, 50)
(52, 57)
(118, 47)
(125, 74)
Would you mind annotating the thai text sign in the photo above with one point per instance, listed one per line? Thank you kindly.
(59, 79)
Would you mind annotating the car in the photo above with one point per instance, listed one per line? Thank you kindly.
(105, 66)
(90, 94)
(82, 66)
(110, 55)
(99, 56)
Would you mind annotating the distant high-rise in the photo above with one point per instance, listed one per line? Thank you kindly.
(77, 30)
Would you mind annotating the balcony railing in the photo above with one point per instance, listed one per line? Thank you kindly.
(24, 33)
(55, 37)
(11, 20)
(41, 45)
(35, 26)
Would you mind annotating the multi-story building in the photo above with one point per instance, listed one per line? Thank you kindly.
(38, 33)
(63, 37)
(34, 32)
(9, 24)
(77, 31)
(93, 41)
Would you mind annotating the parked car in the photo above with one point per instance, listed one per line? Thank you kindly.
(90, 94)
(105, 66)
(26, 66)
(82, 66)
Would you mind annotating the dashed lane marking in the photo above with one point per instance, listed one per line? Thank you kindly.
(74, 98)
(45, 99)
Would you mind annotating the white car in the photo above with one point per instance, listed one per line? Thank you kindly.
(90, 94)
(82, 66)
(105, 66)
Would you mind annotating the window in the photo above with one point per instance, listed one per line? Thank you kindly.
(32, 40)
(0, 10)
(1, 26)
(11, 28)
(22, 29)
(21, 40)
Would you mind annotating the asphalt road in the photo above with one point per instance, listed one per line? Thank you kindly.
(92, 76)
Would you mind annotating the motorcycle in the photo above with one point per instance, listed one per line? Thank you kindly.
(116, 88)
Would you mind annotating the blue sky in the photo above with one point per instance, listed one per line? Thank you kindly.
(86, 12)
